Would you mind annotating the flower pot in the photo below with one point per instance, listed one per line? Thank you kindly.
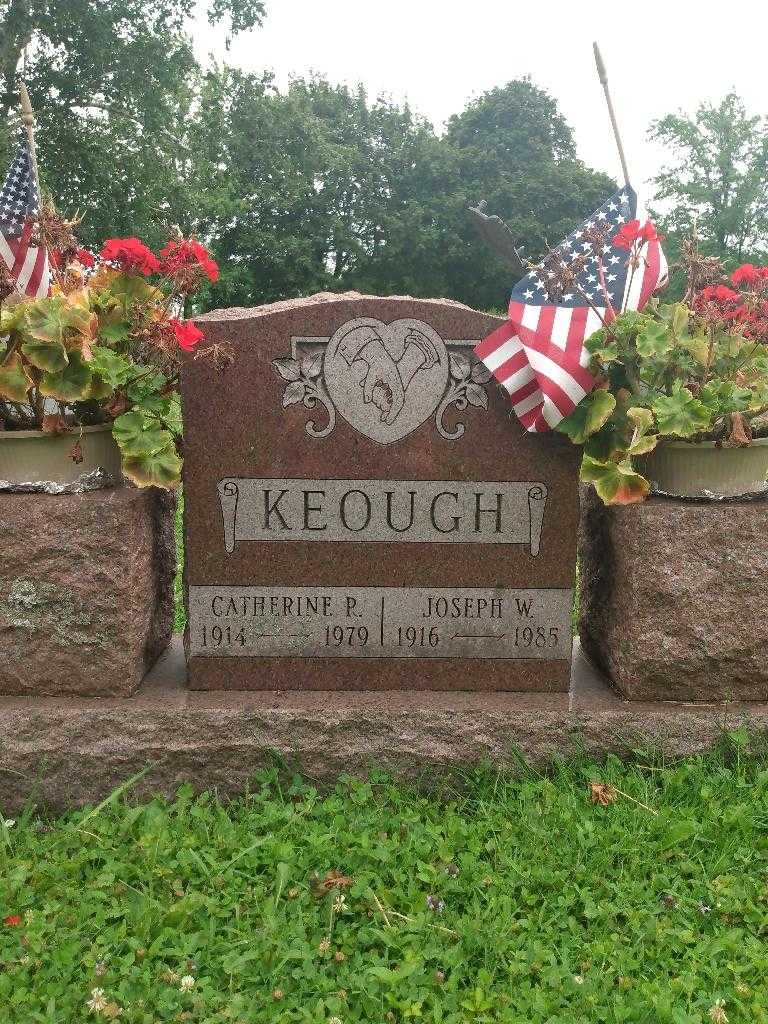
(704, 470)
(30, 456)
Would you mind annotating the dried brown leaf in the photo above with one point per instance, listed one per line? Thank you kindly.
(333, 880)
(601, 793)
(53, 423)
(740, 435)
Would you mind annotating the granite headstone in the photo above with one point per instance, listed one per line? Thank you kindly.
(364, 512)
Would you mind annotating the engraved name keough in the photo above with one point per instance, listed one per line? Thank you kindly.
(417, 511)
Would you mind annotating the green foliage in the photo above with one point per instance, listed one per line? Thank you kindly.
(317, 188)
(614, 914)
(110, 81)
(148, 450)
(104, 352)
(71, 384)
(666, 373)
(716, 180)
(14, 379)
(589, 416)
(679, 414)
(616, 482)
(312, 188)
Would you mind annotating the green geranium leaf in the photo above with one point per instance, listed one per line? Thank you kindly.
(680, 414)
(172, 416)
(655, 340)
(697, 345)
(149, 452)
(128, 290)
(159, 469)
(110, 366)
(588, 416)
(114, 333)
(680, 317)
(145, 386)
(642, 441)
(51, 357)
(72, 384)
(14, 383)
(616, 483)
(128, 428)
(724, 396)
(640, 418)
(139, 435)
(47, 320)
(98, 389)
(10, 319)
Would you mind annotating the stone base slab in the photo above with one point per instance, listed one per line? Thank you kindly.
(86, 590)
(674, 597)
(62, 753)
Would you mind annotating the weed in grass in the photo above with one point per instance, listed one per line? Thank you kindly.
(517, 900)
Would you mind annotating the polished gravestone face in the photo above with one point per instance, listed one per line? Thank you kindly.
(364, 512)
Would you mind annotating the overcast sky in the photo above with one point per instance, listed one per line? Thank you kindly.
(661, 56)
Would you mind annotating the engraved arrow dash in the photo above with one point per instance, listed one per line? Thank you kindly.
(479, 636)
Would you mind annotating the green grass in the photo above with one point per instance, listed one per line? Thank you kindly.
(555, 909)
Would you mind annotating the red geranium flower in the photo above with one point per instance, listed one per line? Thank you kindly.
(747, 273)
(131, 256)
(187, 335)
(87, 259)
(12, 920)
(724, 294)
(632, 232)
(628, 234)
(649, 233)
(184, 254)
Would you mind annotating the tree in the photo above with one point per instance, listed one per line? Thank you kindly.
(315, 189)
(312, 188)
(318, 188)
(716, 179)
(515, 150)
(112, 82)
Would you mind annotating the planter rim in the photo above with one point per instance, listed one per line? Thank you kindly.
(711, 444)
(22, 435)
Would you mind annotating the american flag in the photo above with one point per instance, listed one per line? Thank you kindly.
(539, 355)
(19, 205)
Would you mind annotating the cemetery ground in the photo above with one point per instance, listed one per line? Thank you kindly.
(511, 896)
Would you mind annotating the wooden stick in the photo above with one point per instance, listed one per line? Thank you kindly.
(603, 76)
(28, 117)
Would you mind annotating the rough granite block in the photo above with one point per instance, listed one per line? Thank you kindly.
(86, 590)
(673, 597)
(65, 752)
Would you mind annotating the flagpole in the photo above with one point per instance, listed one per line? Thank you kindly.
(28, 117)
(603, 76)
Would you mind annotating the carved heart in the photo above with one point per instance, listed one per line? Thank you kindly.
(385, 379)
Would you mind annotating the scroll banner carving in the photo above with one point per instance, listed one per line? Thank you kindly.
(416, 511)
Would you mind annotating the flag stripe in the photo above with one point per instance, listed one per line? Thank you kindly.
(19, 207)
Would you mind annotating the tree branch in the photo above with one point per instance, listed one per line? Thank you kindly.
(129, 117)
(15, 34)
